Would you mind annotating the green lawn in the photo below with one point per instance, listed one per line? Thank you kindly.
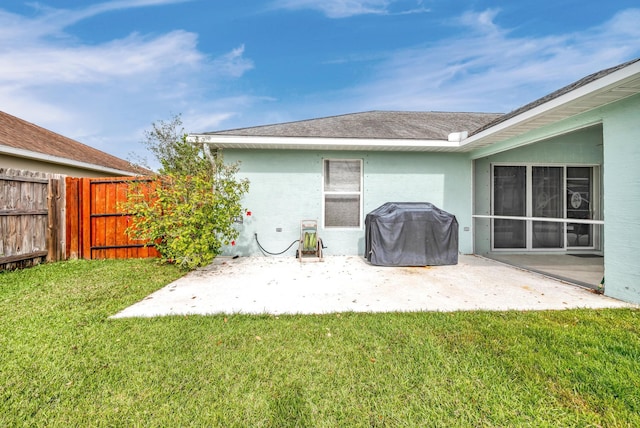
(64, 363)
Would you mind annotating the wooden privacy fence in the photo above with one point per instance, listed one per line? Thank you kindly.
(95, 222)
(31, 218)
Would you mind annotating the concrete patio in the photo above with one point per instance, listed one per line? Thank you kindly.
(279, 285)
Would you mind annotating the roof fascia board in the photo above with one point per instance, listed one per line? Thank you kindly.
(28, 154)
(315, 142)
(588, 89)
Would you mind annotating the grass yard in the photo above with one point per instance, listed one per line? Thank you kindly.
(64, 363)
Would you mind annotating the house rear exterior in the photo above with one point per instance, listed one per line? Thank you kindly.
(557, 176)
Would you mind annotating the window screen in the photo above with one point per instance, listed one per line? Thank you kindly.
(342, 192)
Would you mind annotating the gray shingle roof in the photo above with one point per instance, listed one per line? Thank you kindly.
(373, 125)
(20, 134)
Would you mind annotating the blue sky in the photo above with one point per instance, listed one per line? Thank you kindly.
(102, 72)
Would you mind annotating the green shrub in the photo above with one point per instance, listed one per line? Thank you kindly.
(189, 209)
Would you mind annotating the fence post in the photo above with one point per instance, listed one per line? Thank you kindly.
(85, 217)
(72, 218)
(53, 235)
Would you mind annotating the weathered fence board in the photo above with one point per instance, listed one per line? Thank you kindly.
(96, 225)
(55, 248)
(73, 228)
(30, 218)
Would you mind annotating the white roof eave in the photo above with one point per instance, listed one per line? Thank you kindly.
(318, 143)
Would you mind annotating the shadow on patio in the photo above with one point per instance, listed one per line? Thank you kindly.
(586, 270)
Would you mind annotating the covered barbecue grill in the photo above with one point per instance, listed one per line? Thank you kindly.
(411, 234)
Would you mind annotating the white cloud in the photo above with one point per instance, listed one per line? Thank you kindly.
(51, 63)
(51, 22)
(100, 93)
(480, 21)
(202, 121)
(337, 8)
(232, 64)
(488, 69)
(347, 8)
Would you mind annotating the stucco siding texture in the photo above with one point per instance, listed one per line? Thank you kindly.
(287, 187)
(622, 199)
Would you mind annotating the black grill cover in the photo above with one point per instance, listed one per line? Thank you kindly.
(411, 234)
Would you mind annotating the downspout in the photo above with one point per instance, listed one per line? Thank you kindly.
(212, 160)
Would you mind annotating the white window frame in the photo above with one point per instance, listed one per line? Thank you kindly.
(359, 193)
(529, 225)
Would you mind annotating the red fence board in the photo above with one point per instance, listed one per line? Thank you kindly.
(96, 224)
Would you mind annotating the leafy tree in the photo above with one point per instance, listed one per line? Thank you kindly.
(190, 207)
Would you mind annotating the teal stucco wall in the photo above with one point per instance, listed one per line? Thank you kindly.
(582, 147)
(286, 188)
(622, 199)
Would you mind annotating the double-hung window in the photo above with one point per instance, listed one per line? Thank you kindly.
(342, 193)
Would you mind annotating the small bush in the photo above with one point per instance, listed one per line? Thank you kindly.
(189, 209)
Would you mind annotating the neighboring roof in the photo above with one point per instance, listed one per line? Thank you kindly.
(24, 139)
(373, 125)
